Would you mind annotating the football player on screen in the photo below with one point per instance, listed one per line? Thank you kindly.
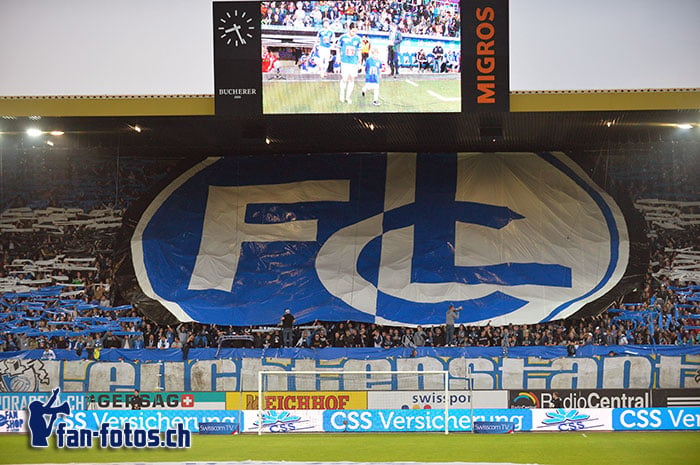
(324, 41)
(349, 50)
(373, 71)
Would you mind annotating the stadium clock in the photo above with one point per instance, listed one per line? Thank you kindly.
(233, 29)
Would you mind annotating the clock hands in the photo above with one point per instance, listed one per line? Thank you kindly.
(237, 28)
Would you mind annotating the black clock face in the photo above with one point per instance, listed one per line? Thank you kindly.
(235, 28)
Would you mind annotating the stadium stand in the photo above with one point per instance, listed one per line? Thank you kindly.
(426, 18)
(56, 276)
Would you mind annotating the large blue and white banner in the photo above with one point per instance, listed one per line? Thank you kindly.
(387, 238)
(236, 372)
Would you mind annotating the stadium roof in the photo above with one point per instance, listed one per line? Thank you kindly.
(196, 136)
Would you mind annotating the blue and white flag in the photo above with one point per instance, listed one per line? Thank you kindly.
(388, 238)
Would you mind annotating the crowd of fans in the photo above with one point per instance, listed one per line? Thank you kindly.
(434, 17)
(56, 291)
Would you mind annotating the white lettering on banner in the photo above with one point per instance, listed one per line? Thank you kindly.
(534, 373)
(484, 372)
(225, 229)
(679, 371)
(427, 364)
(636, 370)
(685, 419)
(215, 375)
(154, 420)
(234, 374)
(102, 376)
(573, 372)
(352, 421)
(413, 420)
(658, 419)
(641, 419)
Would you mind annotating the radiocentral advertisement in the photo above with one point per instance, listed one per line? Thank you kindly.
(582, 398)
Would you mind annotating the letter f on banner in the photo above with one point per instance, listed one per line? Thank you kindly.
(225, 228)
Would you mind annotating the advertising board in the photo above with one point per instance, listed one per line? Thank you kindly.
(298, 400)
(157, 400)
(120, 400)
(151, 419)
(426, 420)
(406, 420)
(581, 398)
(436, 399)
(283, 421)
(563, 419)
(674, 398)
(656, 419)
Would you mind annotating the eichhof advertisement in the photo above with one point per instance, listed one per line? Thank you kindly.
(563, 419)
(420, 420)
(656, 419)
(436, 399)
(298, 400)
(283, 421)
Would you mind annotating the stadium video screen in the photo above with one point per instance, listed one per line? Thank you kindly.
(361, 56)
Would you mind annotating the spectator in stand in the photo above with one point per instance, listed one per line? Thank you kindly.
(317, 342)
(419, 338)
(48, 354)
(450, 316)
(287, 323)
(163, 343)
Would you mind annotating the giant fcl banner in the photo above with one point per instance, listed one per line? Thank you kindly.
(386, 238)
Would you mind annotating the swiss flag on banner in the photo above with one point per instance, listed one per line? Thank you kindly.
(187, 400)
